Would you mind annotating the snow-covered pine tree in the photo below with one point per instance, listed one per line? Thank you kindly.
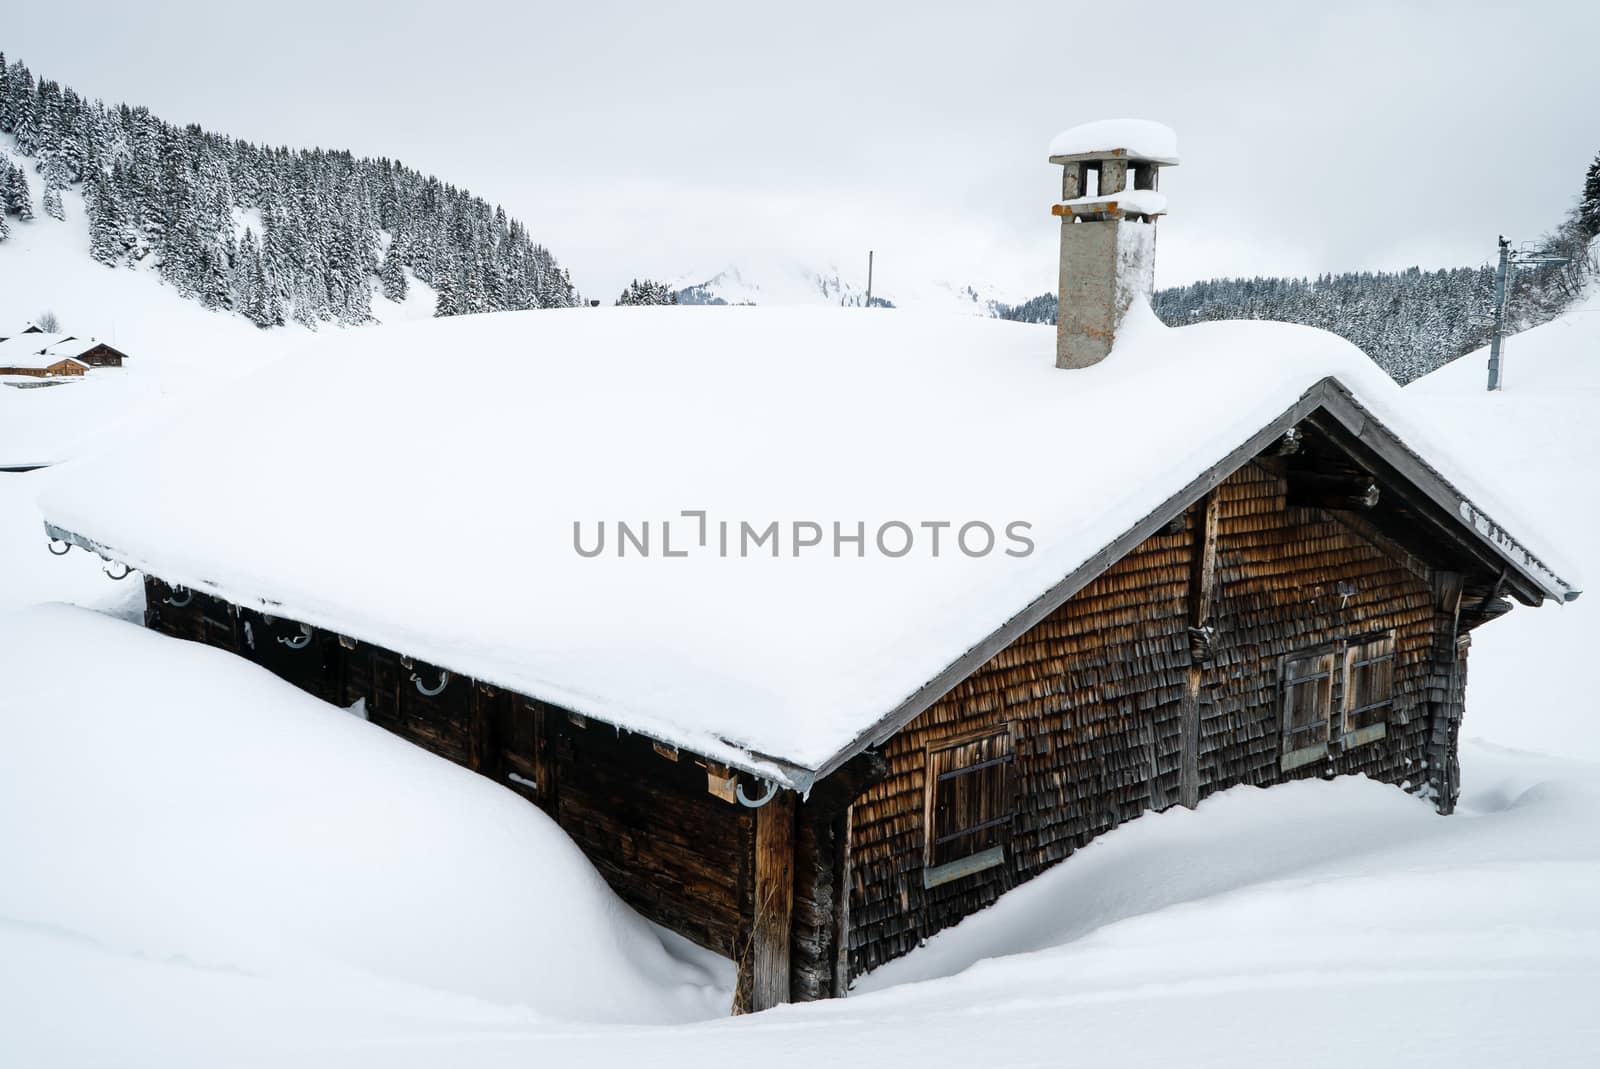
(18, 197)
(392, 275)
(1589, 204)
(180, 192)
(52, 203)
(648, 291)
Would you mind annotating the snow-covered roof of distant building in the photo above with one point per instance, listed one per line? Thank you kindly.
(1138, 139)
(70, 346)
(435, 514)
(31, 344)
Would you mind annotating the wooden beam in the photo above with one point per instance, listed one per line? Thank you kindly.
(1202, 594)
(774, 903)
(841, 926)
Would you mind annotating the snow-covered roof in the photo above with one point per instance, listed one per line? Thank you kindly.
(74, 346)
(1138, 139)
(22, 345)
(367, 490)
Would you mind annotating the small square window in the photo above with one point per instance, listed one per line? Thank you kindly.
(968, 816)
(1307, 707)
(1368, 688)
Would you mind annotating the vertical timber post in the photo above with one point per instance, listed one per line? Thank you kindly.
(773, 923)
(841, 922)
(1202, 588)
(1449, 655)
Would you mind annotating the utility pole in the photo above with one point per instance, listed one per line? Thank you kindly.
(869, 278)
(1502, 288)
(1499, 312)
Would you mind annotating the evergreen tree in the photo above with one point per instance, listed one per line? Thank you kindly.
(52, 203)
(647, 291)
(393, 274)
(177, 194)
(1589, 206)
(18, 197)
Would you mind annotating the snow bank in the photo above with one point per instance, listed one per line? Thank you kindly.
(363, 492)
(166, 800)
(28, 573)
(1141, 138)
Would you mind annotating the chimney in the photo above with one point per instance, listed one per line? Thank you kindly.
(1109, 204)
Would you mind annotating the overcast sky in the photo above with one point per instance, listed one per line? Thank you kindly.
(672, 140)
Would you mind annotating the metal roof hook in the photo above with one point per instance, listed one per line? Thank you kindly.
(126, 571)
(755, 803)
(300, 641)
(444, 681)
(66, 547)
(172, 598)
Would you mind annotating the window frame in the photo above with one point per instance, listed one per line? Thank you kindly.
(1345, 656)
(1301, 756)
(985, 858)
(1351, 737)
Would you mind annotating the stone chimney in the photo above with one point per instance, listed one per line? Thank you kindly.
(1108, 209)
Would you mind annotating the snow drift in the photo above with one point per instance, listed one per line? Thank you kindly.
(165, 800)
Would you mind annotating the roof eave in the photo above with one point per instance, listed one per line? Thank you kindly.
(1329, 395)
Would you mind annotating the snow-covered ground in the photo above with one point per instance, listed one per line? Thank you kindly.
(1539, 438)
(171, 900)
(177, 350)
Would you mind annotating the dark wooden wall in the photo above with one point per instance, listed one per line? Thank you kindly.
(678, 854)
(1094, 699)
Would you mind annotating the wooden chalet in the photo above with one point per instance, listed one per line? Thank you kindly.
(41, 366)
(91, 352)
(41, 355)
(815, 767)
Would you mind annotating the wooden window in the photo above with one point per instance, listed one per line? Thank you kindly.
(1368, 689)
(1307, 707)
(968, 810)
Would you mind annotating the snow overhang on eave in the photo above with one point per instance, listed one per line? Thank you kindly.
(734, 755)
(1343, 406)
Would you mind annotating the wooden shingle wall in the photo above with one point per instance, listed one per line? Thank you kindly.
(1094, 694)
(1294, 579)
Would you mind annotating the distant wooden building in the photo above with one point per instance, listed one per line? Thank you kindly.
(41, 366)
(35, 349)
(816, 766)
(92, 353)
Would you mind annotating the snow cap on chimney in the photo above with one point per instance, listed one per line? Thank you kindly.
(1108, 231)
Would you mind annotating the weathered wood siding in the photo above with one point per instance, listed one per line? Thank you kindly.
(1094, 697)
(1292, 579)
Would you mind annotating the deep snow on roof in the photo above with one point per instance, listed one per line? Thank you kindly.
(363, 487)
(1141, 138)
(24, 346)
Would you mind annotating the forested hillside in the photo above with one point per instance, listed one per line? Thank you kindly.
(275, 234)
(1410, 322)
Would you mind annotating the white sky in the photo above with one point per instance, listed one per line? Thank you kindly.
(669, 140)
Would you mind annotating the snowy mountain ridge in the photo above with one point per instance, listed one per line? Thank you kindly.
(795, 282)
